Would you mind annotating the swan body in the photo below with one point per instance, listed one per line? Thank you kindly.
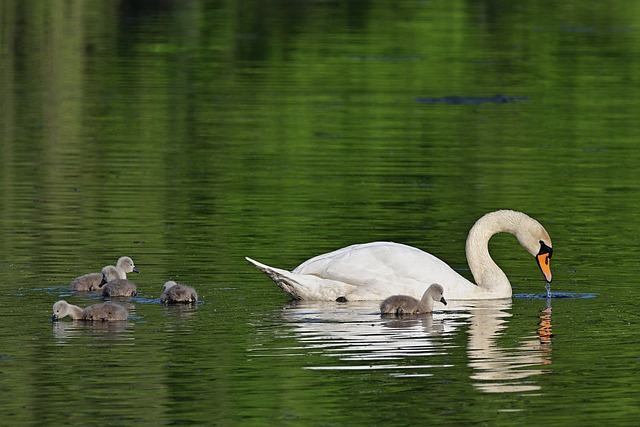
(91, 282)
(404, 304)
(176, 293)
(106, 311)
(377, 270)
(112, 285)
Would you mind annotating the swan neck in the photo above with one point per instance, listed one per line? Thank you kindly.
(485, 271)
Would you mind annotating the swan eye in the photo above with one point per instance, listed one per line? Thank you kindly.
(544, 249)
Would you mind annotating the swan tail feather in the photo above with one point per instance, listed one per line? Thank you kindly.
(283, 278)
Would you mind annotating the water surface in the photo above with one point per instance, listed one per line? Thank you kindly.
(190, 134)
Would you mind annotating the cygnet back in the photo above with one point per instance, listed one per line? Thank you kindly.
(177, 293)
(113, 285)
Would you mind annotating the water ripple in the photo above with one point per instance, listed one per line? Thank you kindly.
(418, 346)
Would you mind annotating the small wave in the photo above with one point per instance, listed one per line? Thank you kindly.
(558, 295)
(471, 100)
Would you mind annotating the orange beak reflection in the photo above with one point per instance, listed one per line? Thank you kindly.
(544, 261)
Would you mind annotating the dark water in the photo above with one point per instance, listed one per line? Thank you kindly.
(189, 134)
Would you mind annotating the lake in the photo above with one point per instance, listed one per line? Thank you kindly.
(190, 134)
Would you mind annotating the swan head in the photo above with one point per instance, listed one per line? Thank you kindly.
(529, 232)
(535, 239)
(544, 259)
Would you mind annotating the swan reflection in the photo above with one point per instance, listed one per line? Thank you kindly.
(65, 330)
(357, 335)
(110, 331)
(506, 369)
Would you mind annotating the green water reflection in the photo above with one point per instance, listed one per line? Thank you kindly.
(189, 134)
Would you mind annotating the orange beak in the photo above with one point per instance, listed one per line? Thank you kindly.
(544, 261)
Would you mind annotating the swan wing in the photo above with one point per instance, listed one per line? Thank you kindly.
(378, 270)
(369, 272)
(305, 286)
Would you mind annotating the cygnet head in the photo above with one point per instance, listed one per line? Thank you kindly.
(109, 273)
(436, 292)
(60, 310)
(167, 285)
(126, 264)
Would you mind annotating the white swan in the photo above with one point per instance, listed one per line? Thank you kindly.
(375, 271)
(404, 304)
